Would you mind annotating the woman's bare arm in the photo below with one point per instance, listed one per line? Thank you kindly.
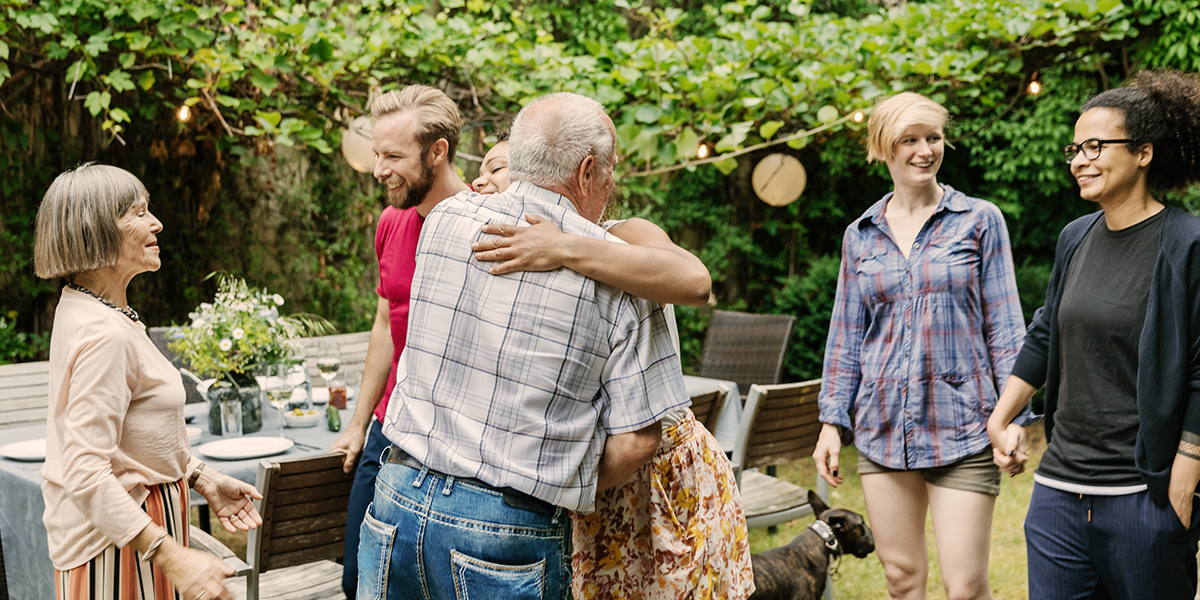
(649, 266)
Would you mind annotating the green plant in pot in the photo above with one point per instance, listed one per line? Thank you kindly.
(235, 336)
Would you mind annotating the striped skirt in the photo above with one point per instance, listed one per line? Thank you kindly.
(116, 573)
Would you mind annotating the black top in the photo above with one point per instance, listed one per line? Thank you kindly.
(1168, 376)
(1099, 322)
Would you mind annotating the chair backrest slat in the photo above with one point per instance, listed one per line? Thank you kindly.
(24, 393)
(780, 423)
(707, 406)
(745, 348)
(304, 509)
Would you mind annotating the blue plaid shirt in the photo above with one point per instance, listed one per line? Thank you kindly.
(919, 347)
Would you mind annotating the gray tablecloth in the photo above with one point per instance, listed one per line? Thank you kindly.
(26, 551)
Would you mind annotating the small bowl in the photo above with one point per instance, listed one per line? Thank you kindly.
(193, 435)
(305, 420)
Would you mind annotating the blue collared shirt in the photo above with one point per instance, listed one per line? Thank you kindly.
(918, 347)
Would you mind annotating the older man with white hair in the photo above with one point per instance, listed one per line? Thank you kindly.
(518, 396)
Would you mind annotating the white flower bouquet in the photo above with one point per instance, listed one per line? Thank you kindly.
(241, 330)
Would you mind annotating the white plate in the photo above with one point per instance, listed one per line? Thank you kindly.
(31, 450)
(193, 435)
(321, 394)
(245, 447)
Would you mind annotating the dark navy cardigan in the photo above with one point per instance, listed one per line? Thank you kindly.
(1168, 375)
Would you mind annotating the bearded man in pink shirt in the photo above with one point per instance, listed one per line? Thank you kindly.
(415, 137)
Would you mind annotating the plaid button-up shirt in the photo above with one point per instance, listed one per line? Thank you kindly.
(517, 380)
(919, 347)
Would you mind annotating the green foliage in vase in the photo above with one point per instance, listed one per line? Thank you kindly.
(241, 329)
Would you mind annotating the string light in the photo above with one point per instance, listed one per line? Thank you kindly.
(858, 116)
(702, 151)
(184, 113)
(1035, 86)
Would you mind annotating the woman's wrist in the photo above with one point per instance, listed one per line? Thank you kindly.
(195, 475)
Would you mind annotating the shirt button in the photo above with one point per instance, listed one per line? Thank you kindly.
(916, 245)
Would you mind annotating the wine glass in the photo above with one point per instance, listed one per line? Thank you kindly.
(329, 360)
(278, 390)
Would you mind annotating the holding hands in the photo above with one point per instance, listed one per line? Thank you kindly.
(1010, 446)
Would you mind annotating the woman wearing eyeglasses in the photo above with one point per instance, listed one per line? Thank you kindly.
(1117, 345)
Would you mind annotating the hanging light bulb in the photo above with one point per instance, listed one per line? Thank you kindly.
(1034, 88)
(702, 151)
(184, 113)
(858, 116)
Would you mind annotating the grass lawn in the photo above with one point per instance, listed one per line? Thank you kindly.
(864, 580)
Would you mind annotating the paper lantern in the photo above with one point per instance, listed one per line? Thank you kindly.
(356, 145)
(779, 179)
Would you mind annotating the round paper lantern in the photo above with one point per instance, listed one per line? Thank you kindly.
(356, 145)
(779, 179)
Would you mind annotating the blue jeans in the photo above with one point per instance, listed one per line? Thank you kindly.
(1084, 547)
(427, 536)
(360, 496)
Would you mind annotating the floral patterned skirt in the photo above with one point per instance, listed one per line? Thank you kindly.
(675, 530)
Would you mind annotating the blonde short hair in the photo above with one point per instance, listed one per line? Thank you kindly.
(893, 115)
(438, 114)
(77, 222)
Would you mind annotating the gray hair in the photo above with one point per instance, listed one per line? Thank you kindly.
(77, 222)
(546, 145)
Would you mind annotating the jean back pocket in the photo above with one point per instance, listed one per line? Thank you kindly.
(374, 556)
(479, 580)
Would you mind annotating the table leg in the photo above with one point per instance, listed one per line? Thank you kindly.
(205, 524)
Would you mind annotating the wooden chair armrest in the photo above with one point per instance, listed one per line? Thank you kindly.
(199, 540)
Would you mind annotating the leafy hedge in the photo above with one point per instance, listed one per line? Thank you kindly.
(251, 183)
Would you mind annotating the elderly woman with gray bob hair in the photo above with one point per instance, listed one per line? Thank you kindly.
(118, 464)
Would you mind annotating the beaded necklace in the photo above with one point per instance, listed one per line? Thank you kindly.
(129, 312)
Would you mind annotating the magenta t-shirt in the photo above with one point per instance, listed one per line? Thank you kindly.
(396, 249)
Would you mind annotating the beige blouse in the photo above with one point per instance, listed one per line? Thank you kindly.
(115, 427)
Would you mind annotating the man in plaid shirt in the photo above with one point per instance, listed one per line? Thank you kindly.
(517, 396)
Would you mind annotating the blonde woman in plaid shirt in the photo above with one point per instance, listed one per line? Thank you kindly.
(925, 328)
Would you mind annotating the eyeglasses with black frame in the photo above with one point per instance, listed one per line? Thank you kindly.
(1090, 148)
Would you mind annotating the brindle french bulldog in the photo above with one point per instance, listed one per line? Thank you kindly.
(798, 570)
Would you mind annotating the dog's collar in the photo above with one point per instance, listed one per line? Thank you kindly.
(826, 532)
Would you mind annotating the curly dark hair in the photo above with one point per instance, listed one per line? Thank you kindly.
(501, 135)
(1161, 108)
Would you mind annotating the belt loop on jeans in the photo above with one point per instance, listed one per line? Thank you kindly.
(449, 487)
(419, 480)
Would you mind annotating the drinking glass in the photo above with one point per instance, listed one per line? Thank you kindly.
(231, 415)
(278, 389)
(329, 360)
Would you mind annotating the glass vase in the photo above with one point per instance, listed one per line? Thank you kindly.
(243, 388)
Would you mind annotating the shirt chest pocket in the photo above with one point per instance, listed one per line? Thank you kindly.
(876, 282)
(954, 265)
(871, 263)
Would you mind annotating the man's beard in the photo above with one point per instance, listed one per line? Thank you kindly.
(414, 191)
